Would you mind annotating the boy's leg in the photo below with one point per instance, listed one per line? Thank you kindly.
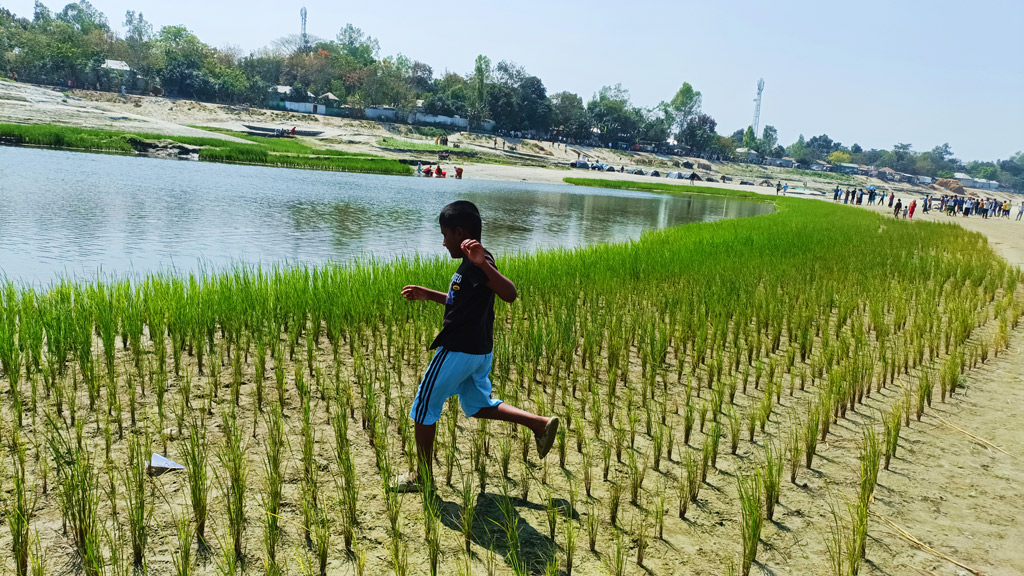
(447, 369)
(425, 434)
(507, 413)
(476, 401)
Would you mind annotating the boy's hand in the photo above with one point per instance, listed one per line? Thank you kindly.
(474, 251)
(415, 293)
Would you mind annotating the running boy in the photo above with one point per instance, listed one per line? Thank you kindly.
(462, 363)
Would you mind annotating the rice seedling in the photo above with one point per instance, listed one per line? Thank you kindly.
(750, 490)
(810, 433)
(468, 509)
(273, 468)
(19, 507)
(705, 457)
(593, 525)
(716, 438)
(637, 473)
(606, 459)
(510, 529)
(194, 458)
(569, 534)
(771, 478)
(614, 499)
(181, 557)
(642, 538)
(231, 456)
(37, 558)
(525, 480)
(870, 456)
(891, 421)
(78, 494)
(794, 447)
(140, 511)
(660, 508)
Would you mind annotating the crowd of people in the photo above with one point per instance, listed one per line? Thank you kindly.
(984, 207)
(950, 204)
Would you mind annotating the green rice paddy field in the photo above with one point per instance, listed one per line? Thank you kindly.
(732, 394)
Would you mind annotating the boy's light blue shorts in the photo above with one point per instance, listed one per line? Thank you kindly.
(451, 373)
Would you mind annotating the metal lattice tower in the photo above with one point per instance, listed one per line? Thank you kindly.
(305, 38)
(757, 105)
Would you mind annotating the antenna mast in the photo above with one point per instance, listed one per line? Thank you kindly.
(757, 104)
(304, 38)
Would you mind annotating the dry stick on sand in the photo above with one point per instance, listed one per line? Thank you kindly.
(913, 540)
(980, 440)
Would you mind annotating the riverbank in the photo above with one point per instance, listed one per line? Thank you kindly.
(483, 156)
(237, 148)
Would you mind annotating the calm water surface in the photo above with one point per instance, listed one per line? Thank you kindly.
(84, 215)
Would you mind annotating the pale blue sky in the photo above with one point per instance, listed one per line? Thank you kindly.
(873, 72)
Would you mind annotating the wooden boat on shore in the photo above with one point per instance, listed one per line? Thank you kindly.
(282, 131)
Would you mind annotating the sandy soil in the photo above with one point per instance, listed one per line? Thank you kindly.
(953, 492)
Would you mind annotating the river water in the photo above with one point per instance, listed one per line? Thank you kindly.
(68, 214)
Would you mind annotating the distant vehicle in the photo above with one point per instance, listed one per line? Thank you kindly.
(746, 183)
(579, 164)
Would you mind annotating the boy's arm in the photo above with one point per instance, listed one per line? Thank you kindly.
(421, 293)
(496, 281)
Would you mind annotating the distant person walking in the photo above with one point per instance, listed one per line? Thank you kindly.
(913, 206)
(899, 206)
(891, 198)
(1020, 211)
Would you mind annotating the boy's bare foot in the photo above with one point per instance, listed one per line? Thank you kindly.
(547, 439)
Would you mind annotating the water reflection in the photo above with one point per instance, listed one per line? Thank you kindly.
(80, 214)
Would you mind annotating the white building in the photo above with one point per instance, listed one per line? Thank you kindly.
(965, 180)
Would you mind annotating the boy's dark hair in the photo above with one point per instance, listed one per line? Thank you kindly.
(462, 214)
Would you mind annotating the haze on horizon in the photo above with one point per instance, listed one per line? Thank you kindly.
(875, 74)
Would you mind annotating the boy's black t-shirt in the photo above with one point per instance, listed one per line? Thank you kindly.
(468, 324)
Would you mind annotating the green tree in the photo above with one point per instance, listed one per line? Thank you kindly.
(800, 152)
(569, 116)
(84, 17)
(749, 139)
(481, 78)
(185, 56)
(769, 139)
(699, 134)
(613, 115)
(534, 104)
(822, 146)
(358, 45)
(138, 41)
(684, 106)
(387, 83)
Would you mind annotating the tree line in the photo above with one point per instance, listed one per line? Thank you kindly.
(72, 45)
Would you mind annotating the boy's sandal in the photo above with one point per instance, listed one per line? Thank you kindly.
(405, 483)
(547, 439)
